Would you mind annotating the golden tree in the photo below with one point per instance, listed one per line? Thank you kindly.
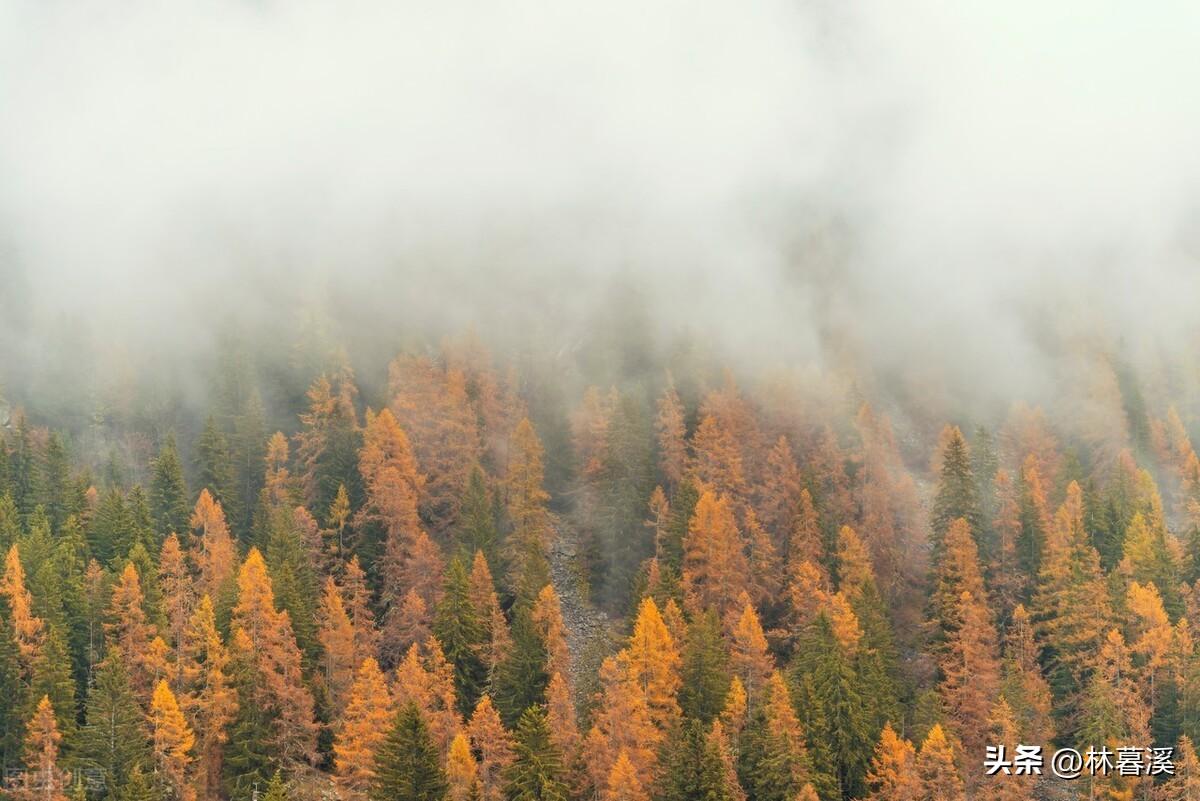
(364, 725)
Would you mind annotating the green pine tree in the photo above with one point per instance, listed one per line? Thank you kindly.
(520, 680)
(705, 668)
(693, 768)
(214, 469)
(957, 494)
(537, 772)
(168, 493)
(113, 738)
(457, 627)
(408, 766)
(13, 703)
(477, 526)
(276, 789)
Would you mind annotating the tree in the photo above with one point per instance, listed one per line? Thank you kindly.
(214, 469)
(478, 530)
(717, 460)
(653, 663)
(893, 775)
(956, 497)
(265, 636)
(168, 493)
(694, 768)
(462, 634)
(529, 539)
(715, 571)
(113, 738)
(433, 406)
(971, 674)
(671, 429)
(276, 789)
(536, 773)
(461, 770)
(130, 632)
(1185, 784)
(749, 658)
(497, 642)
(175, 583)
(336, 635)
(773, 762)
(208, 697)
(217, 552)
(935, 765)
(328, 442)
(407, 765)
(705, 670)
(42, 778)
(623, 783)
(362, 729)
(173, 739)
(27, 627)
(520, 680)
(548, 620)
(12, 691)
(357, 598)
(495, 747)
(564, 730)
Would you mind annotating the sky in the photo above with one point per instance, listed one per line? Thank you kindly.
(958, 187)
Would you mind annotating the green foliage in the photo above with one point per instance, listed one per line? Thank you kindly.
(705, 670)
(407, 765)
(693, 768)
(169, 505)
(113, 738)
(276, 789)
(462, 635)
(520, 680)
(13, 703)
(537, 772)
(478, 529)
(957, 494)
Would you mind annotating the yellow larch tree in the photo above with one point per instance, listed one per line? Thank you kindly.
(653, 662)
(495, 747)
(173, 739)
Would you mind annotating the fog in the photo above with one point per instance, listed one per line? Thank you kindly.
(955, 192)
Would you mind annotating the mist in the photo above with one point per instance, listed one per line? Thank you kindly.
(952, 191)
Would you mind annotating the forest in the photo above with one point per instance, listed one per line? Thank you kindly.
(674, 589)
(768, 400)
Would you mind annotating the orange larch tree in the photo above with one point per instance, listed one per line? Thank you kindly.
(940, 780)
(364, 725)
(716, 461)
(175, 582)
(893, 775)
(43, 779)
(623, 783)
(337, 637)
(207, 695)
(778, 497)
(750, 658)
(217, 554)
(495, 747)
(128, 630)
(548, 620)
(971, 674)
(671, 428)
(653, 663)
(433, 407)
(28, 628)
(356, 596)
(715, 571)
(462, 773)
(529, 540)
(486, 604)
(271, 648)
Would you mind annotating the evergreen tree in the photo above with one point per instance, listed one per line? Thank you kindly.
(462, 635)
(113, 737)
(276, 789)
(693, 768)
(408, 766)
(168, 494)
(957, 494)
(477, 527)
(521, 679)
(536, 773)
(12, 693)
(705, 669)
(214, 469)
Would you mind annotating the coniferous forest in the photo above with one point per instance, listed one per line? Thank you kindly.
(679, 589)
(639, 400)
